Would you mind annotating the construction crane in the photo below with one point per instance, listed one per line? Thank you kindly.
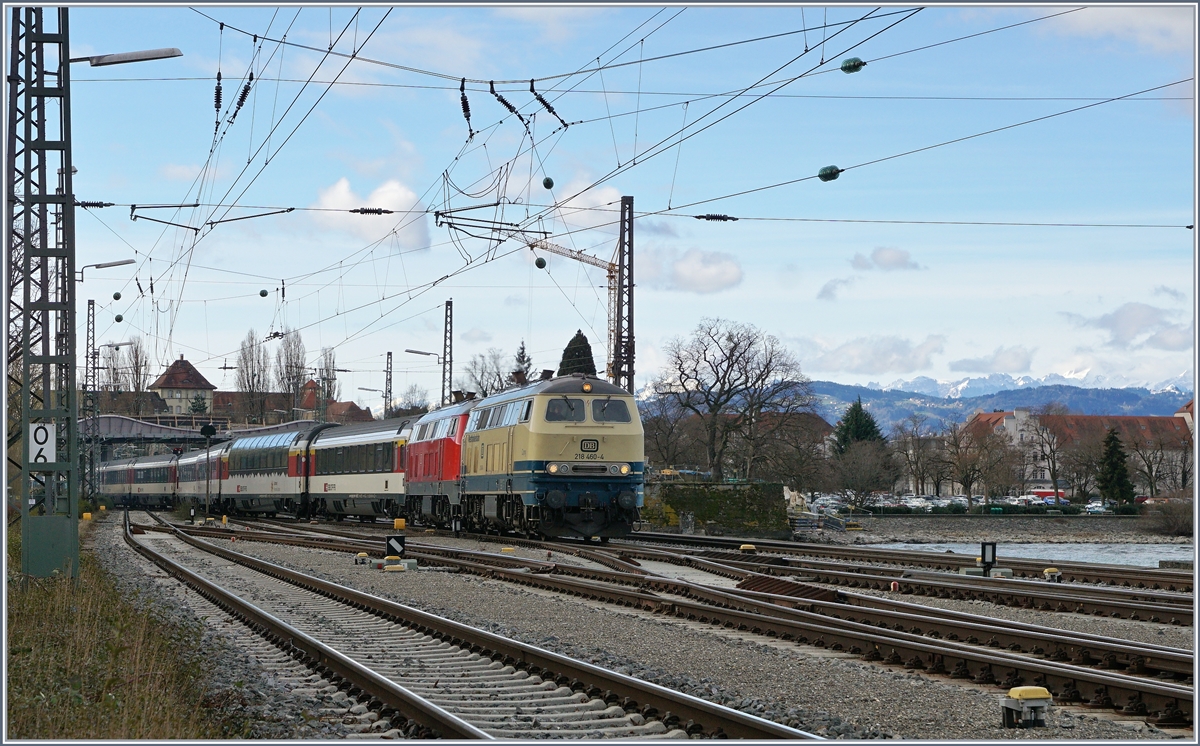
(619, 367)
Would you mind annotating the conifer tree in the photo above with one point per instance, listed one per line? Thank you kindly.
(1113, 481)
(577, 357)
(522, 363)
(856, 425)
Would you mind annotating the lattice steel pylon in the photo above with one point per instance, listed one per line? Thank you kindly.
(88, 409)
(43, 444)
(447, 351)
(622, 334)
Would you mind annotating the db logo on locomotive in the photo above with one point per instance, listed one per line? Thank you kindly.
(588, 445)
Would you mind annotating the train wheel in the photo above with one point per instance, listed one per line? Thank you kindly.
(603, 539)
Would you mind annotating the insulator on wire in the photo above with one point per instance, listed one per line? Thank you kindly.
(716, 218)
(466, 107)
(829, 173)
(372, 211)
(504, 102)
(90, 204)
(217, 94)
(546, 103)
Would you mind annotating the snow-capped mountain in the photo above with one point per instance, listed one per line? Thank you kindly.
(983, 386)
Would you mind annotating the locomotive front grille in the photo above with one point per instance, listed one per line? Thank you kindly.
(589, 469)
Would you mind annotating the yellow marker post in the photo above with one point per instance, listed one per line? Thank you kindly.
(87, 516)
(398, 524)
(103, 507)
(224, 520)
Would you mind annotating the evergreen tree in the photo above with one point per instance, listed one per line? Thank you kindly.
(856, 425)
(199, 404)
(1113, 481)
(577, 357)
(522, 363)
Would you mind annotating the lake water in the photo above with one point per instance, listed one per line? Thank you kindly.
(1143, 555)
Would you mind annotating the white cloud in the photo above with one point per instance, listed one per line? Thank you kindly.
(657, 228)
(880, 355)
(475, 334)
(830, 289)
(1003, 360)
(1174, 337)
(1160, 30)
(390, 195)
(514, 300)
(1171, 292)
(694, 271)
(885, 258)
(557, 24)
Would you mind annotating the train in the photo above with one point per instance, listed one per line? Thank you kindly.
(558, 457)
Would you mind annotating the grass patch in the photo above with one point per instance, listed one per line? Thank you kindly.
(85, 663)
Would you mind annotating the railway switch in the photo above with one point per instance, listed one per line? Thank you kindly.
(1025, 707)
(361, 558)
(1052, 575)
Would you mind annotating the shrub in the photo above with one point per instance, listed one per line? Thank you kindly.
(1169, 519)
(1127, 509)
(952, 508)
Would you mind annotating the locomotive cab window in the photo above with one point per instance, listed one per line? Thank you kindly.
(609, 410)
(564, 410)
(526, 409)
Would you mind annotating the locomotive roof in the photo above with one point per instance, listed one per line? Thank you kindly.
(572, 384)
(366, 431)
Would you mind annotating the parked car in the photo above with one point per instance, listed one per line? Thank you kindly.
(1095, 509)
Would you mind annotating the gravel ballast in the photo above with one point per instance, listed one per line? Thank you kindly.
(831, 694)
(250, 685)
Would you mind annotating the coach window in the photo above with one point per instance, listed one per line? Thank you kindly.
(564, 410)
(610, 410)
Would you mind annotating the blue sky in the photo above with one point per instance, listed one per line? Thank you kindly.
(856, 301)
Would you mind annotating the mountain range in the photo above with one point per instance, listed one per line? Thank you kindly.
(968, 387)
(893, 404)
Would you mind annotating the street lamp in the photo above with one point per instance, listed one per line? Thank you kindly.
(377, 391)
(103, 265)
(100, 60)
(431, 354)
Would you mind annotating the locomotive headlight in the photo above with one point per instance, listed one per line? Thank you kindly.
(552, 468)
(624, 468)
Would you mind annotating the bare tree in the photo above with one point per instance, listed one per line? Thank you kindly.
(113, 378)
(1148, 459)
(972, 455)
(864, 467)
(714, 375)
(291, 371)
(414, 401)
(136, 366)
(488, 372)
(253, 377)
(1045, 432)
(1081, 460)
(796, 456)
(670, 432)
(913, 442)
(776, 395)
(331, 389)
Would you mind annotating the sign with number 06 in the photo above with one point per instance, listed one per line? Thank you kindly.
(42, 443)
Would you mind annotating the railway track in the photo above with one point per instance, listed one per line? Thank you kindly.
(435, 676)
(1022, 567)
(1138, 604)
(1133, 678)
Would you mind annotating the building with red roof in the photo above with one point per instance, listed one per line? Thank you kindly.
(180, 384)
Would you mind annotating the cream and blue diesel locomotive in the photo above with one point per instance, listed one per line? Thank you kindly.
(559, 457)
